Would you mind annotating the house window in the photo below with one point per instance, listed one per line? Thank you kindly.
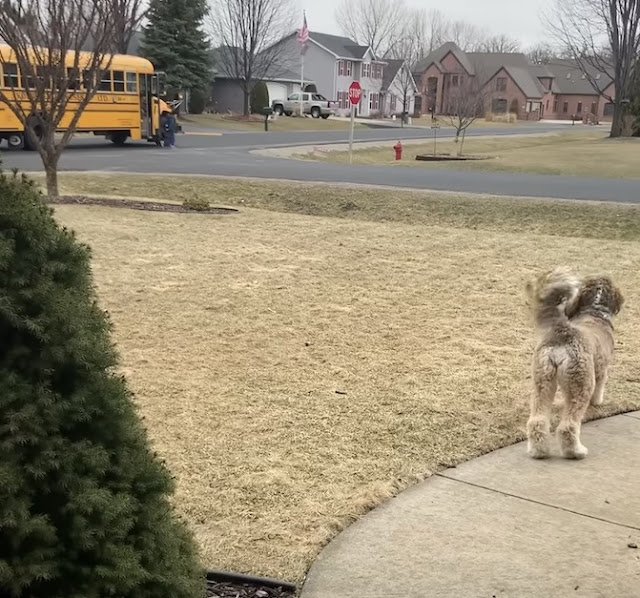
(547, 106)
(594, 107)
(341, 68)
(393, 104)
(347, 68)
(555, 104)
(378, 71)
(374, 101)
(565, 107)
(343, 100)
(579, 109)
(366, 69)
(501, 84)
(454, 80)
(10, 72)
(499, 106)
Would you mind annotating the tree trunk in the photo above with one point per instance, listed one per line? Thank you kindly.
(50, 157)
(464, 132)
(247, 102)
(51, 171)
(617, 120)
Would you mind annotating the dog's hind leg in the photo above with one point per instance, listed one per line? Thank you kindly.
(539, 426)
(598, 393)
(578, 388)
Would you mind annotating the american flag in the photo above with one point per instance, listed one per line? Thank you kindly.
(303, 35)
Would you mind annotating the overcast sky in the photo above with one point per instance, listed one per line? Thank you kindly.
(514, 17)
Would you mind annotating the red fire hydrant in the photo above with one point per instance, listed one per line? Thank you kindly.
(398, 148)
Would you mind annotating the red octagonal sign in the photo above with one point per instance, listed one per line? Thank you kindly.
(355, 93)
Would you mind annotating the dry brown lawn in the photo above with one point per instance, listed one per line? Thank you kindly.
(304, 359)
(582, 153)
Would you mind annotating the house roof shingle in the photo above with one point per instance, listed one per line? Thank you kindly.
(343, 47)
(570, 80)
(390, 71)
(439, 53)
(276, 72)
(485, 65)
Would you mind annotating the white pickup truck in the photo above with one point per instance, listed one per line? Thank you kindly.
(313, 103)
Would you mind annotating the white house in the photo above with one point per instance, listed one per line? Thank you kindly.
(399, 88)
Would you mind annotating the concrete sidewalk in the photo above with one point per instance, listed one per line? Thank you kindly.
(503, 526)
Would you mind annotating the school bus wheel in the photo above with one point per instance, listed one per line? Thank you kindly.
(15, 141)
(119, 137)
(33, 123)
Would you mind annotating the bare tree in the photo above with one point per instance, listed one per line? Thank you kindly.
(542, 54)
(466, 36)
(466, 103)
(57, 80)
(374, 23)
(247, 34)
(499, 44)
(128, 16)
(438, 31)
(603, 36)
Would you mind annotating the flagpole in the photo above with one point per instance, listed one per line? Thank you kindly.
(301, 84)
(303, 40)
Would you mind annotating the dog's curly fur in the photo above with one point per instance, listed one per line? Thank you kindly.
(574, 350)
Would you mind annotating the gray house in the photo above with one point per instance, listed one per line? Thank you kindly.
(333, 62)
(226, 90)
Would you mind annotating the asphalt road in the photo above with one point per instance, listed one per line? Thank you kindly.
(230, 155)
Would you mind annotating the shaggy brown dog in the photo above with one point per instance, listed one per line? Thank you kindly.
(574, 351)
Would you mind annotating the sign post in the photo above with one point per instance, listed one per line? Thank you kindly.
(355, 93)
(435, 126)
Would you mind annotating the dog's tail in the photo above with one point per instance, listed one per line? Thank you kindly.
(551, 295)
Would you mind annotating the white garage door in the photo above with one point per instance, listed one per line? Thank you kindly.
(277, 91)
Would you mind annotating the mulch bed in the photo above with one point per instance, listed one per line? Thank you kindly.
(448, 158)
(231, 590)
(135, 205)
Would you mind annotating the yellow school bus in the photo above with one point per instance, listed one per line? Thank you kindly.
(126, 106)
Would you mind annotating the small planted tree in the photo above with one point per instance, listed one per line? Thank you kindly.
(84, 503)
(259, 97)
(50, 79)
(466, 105)
(247, 35)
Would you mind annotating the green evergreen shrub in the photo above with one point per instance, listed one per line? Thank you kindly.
(84, 503)
(197, 101)
(259, 98)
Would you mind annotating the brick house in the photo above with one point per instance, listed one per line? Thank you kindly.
(510, 83)
(572, 94)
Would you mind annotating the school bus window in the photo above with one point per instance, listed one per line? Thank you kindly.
(44, 76)
(132, 83)
(27, 81)
(10, 75)
(105, 81)
(72, 78)
(118, 81)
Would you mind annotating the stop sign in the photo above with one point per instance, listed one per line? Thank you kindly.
(355, 93)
